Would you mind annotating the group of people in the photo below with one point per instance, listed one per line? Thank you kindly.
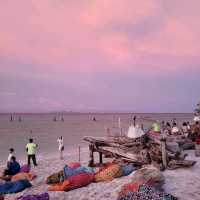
(13, 166)
(191, 131)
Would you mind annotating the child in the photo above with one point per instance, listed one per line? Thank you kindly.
(11, 154)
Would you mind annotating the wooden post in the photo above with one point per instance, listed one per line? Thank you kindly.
(79, 153)
(91, 162)
(100, 158)
(164, 152)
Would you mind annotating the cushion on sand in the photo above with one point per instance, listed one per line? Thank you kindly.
(25, 169)
(55, 178)
(109, 173)
(73, 182)
(14, 187)
(74, 165)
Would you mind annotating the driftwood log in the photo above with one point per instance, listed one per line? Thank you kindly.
(139, 151)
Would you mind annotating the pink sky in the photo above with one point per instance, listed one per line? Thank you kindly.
(99, 55)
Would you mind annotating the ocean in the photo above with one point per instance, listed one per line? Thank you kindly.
(45, 131)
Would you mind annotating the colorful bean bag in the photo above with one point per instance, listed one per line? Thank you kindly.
(68, 172)
(73, 182)
(130, 187)
(14, 187)
(74, 165)
(22, 176)
(128, 169)
(25, 169)
(44, 196)
(55, 178)
(149, 174)
(109, 173)
(145, 192)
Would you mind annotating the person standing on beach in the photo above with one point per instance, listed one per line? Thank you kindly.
(60, 146)
(31, 151)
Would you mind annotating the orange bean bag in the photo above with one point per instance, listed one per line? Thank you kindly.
(22, 176)
(73, 182)
(109, 173)
(60, 186)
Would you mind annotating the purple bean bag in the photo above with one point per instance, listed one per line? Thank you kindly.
(44, 196)
(25, 169)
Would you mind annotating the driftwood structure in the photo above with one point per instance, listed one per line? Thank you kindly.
(140, 151)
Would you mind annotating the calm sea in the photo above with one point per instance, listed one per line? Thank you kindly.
(45, 131)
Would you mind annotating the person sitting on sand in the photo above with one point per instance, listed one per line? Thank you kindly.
(11, 154)
(31, 151)
(168, 127)
(175, 130)
(60, 146)
(13, 167)
(195, 132)
(156, 127)
(196, 118)
(184, 129)
(188, 127)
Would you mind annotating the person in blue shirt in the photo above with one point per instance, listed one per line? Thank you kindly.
(13, 167)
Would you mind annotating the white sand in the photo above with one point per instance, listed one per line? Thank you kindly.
(183, 183)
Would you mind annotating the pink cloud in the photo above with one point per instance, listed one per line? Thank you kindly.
(68, 37)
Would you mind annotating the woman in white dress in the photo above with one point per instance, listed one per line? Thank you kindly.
(60, 146)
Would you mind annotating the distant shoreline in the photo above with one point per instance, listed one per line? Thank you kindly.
(84, 113)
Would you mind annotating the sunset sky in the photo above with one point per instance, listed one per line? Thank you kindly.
(99, 55)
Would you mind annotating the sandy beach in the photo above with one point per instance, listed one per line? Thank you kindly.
(182, 183)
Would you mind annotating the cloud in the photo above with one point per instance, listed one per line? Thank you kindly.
(76, 36)
(70, 44)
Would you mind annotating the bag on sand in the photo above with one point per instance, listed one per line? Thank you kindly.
(109, 173)
(144, 192)
(73, 182)
(74, 165)
(150, 175)
(25, 169)
(44, 196)
(23, 176)
(55, 178)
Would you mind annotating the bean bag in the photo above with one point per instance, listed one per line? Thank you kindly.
(128, 169)
(80, 180)
(55, 178)
(68, 172)
(60, 186)
(109, 173)
(149, 175)
(145, 192)
(14, 187)
(44, 196)
(130, 187)
(25, 169)
(74, 165)
(22, 176)
(76, 181)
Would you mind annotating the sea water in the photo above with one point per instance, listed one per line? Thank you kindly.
(45, 131)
